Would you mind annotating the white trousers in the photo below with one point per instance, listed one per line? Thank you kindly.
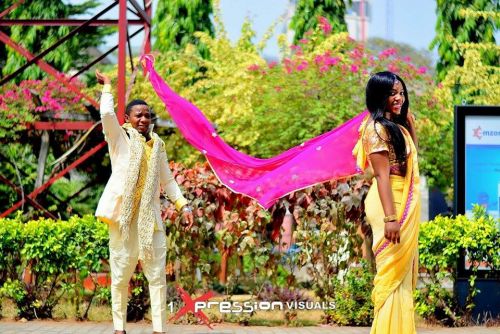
(123, 258)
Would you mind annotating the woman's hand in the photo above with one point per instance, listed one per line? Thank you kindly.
(410, 118)
(102, 78)
(391, 232)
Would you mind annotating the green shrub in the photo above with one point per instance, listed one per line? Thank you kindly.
(353, 303)
(441, 242)
(11, 243)
(58, 254)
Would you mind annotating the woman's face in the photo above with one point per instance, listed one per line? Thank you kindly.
(396, 99)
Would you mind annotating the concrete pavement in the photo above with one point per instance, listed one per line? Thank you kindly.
(68, 327)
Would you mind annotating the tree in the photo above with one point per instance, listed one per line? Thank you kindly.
(453, 28)
(474, 82)
(70, 54)
(308, 12)
(176, 21)
(421, 58)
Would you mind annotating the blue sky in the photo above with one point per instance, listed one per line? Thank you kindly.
(413, 22)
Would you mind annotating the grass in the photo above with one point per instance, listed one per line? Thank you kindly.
(63, 310)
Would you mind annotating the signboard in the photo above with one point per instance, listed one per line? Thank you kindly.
(477, 159)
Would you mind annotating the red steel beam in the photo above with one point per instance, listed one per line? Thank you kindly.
(64, 22)
(122, 58)
(63, 125)
(98, 59)
(122, 25)
(146, 46)
(47, 184)
(11, 8)
(45, 67)
(55, 45)
(29, 200)
(142, 14)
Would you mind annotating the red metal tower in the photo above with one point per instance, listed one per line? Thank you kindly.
(142, 13)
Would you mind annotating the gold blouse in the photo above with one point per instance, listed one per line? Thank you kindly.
(376, 139)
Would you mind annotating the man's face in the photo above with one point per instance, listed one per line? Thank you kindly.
(140, 118)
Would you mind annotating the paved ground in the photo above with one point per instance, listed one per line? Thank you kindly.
(63, 327)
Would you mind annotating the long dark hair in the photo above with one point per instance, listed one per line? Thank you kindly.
(378, 90)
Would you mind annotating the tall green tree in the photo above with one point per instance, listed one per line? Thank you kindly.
(70, 54)
(176, 21)
(453, 28)
(307, 13)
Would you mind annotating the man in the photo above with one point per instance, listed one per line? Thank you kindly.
(130, 204)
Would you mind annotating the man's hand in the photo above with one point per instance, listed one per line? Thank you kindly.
(102, 78)
(391, 232)
(187, 219)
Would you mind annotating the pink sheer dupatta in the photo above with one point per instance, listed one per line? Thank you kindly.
(328, 156)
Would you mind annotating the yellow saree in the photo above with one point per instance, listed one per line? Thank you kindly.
(397, 264)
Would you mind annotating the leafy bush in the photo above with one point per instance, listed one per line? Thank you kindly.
(24, 103)
(440, 244)
(353, 303)
(329, 217)
(11, 244)
(58, 255)
(284, 295)
(230, 226)
(265, 108)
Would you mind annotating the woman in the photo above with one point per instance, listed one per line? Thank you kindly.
(130, 204)
(392, 205)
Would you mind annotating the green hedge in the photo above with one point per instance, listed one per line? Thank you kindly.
(441, 242)
(60, 255)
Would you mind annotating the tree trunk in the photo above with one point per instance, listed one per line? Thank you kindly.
(42, 158)
(223, 265)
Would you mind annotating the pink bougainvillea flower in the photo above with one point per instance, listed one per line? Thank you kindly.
(393, 68)
(272, 64)
(354, 68)
(303, 65)
(356, 54)
(422, 70)
(407, 59)
(253, 67)
(324, 68)
(303, 41)
(297, 49)
(387, 53)
(10, 94)
(332, 60)
(26, 93)
(288, 65)
(325, 25)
